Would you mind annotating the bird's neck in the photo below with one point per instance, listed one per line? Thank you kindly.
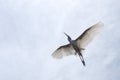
(70, 40)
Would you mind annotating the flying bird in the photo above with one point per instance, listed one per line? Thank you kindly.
(76, 46)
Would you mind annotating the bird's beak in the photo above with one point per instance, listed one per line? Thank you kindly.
(65, 34)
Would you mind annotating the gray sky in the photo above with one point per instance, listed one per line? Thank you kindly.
(30, 30)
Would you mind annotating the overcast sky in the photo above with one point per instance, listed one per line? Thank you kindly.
(30, 31)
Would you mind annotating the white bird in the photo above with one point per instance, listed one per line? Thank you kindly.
(76, 46)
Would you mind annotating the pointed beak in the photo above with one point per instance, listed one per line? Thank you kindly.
(65, 34)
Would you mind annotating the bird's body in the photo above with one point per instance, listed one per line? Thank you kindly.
(78, 51)
(76, 46)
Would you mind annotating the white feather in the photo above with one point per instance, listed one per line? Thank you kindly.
(62, 51)
(82, 41)
(89, 35)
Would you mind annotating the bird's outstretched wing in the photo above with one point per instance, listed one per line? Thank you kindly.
(62, 51)
(89, 35)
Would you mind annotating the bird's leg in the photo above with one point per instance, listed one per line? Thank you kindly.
(82, 59)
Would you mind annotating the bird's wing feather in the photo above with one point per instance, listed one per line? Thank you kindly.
(89, 35)
(62, 51)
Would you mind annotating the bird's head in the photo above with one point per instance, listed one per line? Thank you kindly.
(69, 38)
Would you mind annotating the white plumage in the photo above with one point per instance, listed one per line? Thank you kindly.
(82, 41)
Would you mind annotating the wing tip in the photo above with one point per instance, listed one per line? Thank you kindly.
(56, 56)
(98, 26)
(100, 23)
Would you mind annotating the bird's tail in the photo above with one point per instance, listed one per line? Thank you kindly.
(82, 59)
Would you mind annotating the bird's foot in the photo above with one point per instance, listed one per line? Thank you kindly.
(84, 63)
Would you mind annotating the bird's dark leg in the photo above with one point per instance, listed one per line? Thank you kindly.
(81, 57)
(83, 61)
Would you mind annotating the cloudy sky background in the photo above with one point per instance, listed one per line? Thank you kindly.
(30, 30)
